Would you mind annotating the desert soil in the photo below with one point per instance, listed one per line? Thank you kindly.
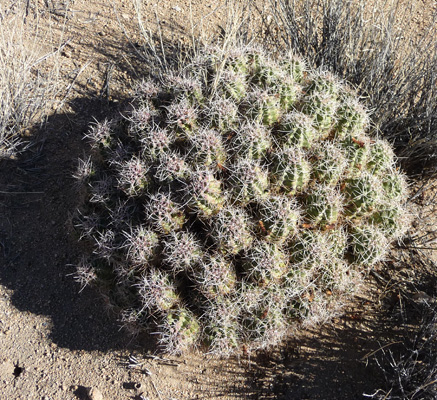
(57, 342)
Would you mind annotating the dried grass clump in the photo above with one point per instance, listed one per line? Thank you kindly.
(29, 76)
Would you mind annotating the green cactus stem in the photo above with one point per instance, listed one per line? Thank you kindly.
(324, 205)
(142, 245)
(290, 170)
(265, 263)
(362, 194)
(216, 278)
(266, 107)
(368, 245)
(221, 327)
(133, 176)
(357, 152)
(170, 167)
(321, 107)
(182, 251)
(251, 141)
(157, 291)
(248, 181)
(180, 331)
(381, 157)
(329, 163)
(204, 194)
(207, 149)
(352, 117)
(278, 218)
(230, 230)
(296, 129)
(165, 215)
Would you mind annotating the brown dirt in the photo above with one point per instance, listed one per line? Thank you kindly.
(56, 341)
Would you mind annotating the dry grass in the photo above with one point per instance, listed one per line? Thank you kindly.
(30, 82)
(375, 47)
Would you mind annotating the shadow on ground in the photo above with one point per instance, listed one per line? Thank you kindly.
(38, 246)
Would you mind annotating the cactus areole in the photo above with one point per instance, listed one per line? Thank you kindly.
(239, 196)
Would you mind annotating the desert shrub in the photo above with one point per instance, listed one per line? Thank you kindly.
(375, 47)
(237, 197)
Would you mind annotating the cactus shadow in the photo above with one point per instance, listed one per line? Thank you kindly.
(38, 247)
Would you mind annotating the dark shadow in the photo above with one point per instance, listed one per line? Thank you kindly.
(81, 393)
(38, 245)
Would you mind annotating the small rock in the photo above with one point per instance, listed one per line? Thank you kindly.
(7, 369)
(94, 394)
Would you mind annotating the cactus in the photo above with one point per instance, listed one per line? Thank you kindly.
(362, 194)
(231, 231)
(142, 244)
(264, 263)
(381, 157)
(369, 244)
(224, 113)
(204, 193)
(248, 181)
(179, 331)
(329, 163)
(352, 116)
(394, 185)
(133, 176)
(265, 106)
(170, 167)
(290, 170)
(238, 198)
(324, 205)
(221, 327)
(207, 149)
(278, 218)
(252, 141)
(181, 251)
(217, 277)
(297, 130)
(262, 317)
(156, 142)
(164, 214)
(157, 292)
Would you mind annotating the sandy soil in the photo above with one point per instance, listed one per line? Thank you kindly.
(57, 342)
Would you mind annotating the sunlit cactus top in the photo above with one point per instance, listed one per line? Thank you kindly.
(239, 197)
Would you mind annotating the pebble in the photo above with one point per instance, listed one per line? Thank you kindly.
(7, 369)
(94, 394)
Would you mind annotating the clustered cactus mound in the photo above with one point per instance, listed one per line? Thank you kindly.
(238, 197)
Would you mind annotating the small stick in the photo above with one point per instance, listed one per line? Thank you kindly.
(381, 348)
(156, 390)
